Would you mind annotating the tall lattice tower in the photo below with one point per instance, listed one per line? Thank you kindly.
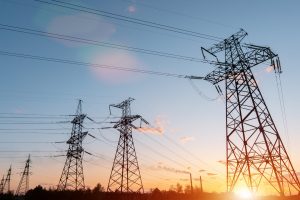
(72, 175)
(24, 182)
(125, 175)
(1, 184)
(255, 151)
(5, 182)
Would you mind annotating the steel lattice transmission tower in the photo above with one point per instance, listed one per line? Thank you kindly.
(72, 175)
(1, 184)
(5, 182)
(255, 151)
(125, 175)
(24, 182)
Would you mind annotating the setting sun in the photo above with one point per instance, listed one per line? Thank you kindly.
(243, 193)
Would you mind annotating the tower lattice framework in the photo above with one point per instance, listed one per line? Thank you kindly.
(125, 175)
(255, 152)
(72, 175)
(24, 181)
(5, 182)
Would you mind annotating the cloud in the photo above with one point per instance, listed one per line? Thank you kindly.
(170, 169)
(114, 59)
(81, 25)
(157, 129)
(186, 139)
(131, 8)
(19, 111)
(184, 179)
(223, 162)
(211, 174)
(269, 69)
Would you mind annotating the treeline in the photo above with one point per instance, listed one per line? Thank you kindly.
(98, 193)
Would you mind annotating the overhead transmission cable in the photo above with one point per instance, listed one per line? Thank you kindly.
(173, 12)
(160, 154)
(200, 93)
(114, 16)
(282, 106)
(79, 63)
(192, 154)
(96, 43)
(153, 150)
(28, 142)
(170, 150)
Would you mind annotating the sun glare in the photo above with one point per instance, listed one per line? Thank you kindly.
(244, 193)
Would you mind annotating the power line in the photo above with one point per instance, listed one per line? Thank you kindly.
(130, 19)
(200, 93)
(179, 13)
(21, 151)
(38, 133)
(28, 142)
(159, 153)
(35, 129)
(29, 117)
(28, 4)
(193, 155)
(33, 123)
(170, 150)
(41, 116)
(34, 156)
(96, 43)
(79, 63)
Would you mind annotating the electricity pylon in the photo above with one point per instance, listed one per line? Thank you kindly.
(24, 182)
(1, 184)
(255, 151)
(125, 175)
(72, 175)
(5, 182)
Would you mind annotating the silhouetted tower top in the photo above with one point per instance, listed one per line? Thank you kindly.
(5, 182)
(125, 175)
(72, 175)
(255, 152)
(1, 185)
(24, 181)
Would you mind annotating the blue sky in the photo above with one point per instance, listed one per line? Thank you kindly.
(40, 87)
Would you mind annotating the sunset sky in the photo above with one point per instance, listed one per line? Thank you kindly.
(37, 95)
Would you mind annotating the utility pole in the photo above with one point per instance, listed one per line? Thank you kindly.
(191, 180)
(125, 175)
(5, 182)
(254, 149)
(72, 175)
(201, 187)
(24, 182)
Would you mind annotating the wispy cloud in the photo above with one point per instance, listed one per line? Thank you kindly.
(186, 139)
(19, 111)
(158, 127)
(184, 179)
(223, 162)
(131, 8)
(211, 174)
(161, 166)
(269, 69)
